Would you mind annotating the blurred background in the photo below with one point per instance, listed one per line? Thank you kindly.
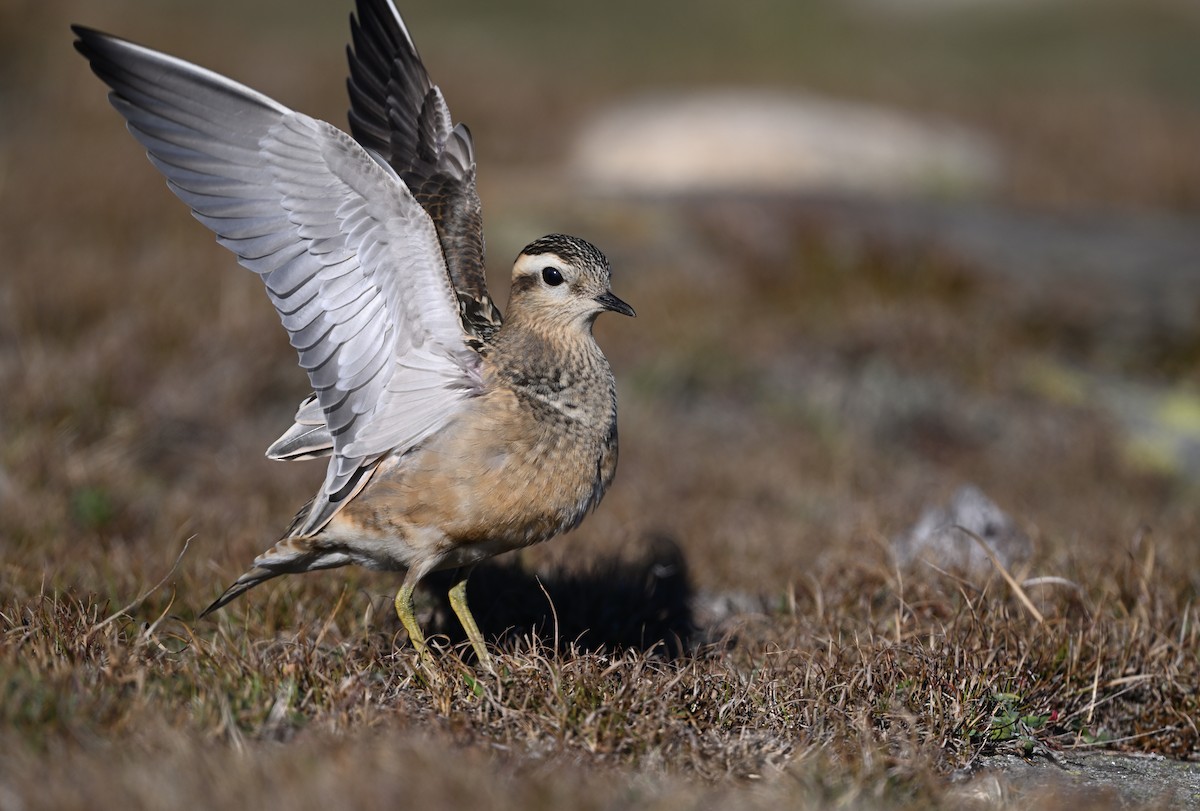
(879, 249)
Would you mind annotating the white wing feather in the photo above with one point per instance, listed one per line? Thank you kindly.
(350, 260)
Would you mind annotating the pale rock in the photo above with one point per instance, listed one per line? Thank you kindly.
(759, 141)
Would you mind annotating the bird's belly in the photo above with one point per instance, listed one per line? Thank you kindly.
(512, 496)
(402, 547)
(465, 498)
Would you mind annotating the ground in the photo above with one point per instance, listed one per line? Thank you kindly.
(804, 377)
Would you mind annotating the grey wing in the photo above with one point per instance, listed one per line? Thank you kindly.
(350, 260)
(396, 111)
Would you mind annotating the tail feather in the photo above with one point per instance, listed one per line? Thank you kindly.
(308, 438)
(301, 443)
(243, 584)
(289, 556)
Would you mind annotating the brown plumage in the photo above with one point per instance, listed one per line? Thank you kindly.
(526, 458)
(452, 435)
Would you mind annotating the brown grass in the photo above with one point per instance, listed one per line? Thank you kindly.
(865, 686)
(727, 630)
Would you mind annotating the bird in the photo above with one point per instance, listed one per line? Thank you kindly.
(452, 433)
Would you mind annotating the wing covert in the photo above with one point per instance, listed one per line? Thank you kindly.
(398, 112)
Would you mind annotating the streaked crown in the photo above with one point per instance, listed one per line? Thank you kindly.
(576, 251)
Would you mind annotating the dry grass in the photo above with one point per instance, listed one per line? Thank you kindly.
(727, 630)
(865, 687)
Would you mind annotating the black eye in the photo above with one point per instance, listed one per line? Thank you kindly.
(552, 276)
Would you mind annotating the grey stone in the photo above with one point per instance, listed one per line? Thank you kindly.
(935, 537)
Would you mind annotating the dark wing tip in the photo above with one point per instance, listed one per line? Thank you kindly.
(86, 39)
(90, 41)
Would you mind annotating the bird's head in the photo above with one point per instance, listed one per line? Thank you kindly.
(560, 279)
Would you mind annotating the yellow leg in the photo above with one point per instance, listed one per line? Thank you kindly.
(404, 610)
(458, 601)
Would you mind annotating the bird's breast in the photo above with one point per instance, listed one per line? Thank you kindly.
(512, 469)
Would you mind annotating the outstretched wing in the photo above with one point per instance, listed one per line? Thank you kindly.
(350, 260)
(396, 111)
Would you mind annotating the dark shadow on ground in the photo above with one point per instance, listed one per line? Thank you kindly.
(615, 604)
